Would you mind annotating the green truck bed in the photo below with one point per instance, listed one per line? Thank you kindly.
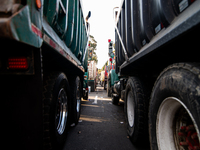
(59, 24)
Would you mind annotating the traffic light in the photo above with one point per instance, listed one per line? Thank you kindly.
(110, 47)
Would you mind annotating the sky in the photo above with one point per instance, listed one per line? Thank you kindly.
(101, 25)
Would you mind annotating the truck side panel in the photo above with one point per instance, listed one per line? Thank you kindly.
(164, 26)
(75, 34)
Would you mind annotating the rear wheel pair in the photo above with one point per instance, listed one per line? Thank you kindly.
(173, 110)
(61, 107)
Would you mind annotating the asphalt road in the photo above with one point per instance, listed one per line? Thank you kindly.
(101, 126)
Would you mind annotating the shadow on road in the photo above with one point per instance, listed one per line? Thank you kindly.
(101, 126)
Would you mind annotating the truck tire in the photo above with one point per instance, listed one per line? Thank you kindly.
(174, 108)
(86, 96)
(105, 86)
(109, 88)
(56, 100)
(115, 99)
(108, 91)
(75, 86)
(136, 108)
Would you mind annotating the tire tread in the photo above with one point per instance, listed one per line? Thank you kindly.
(48, 87)
(142, 108)
(190, 72)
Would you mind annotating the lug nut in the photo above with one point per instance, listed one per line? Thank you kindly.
(190, 128)
(194, 135)
(196, 147)
(183, 143)
(183, 128)
(181, 134)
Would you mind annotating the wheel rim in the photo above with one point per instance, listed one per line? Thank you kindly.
(78, 97)
(62, 111)
(172, 117)
(130, 109)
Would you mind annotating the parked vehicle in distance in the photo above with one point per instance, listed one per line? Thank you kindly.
(102, 78)
(92, 69)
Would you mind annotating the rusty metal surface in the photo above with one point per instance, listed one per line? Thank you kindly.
(9, 7)
(4, 27)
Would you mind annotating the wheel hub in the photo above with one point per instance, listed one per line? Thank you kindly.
(175, 126)
(130, 109)
(188, 138)
(62, 111)
(78, 97)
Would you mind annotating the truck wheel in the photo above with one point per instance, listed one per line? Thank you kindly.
(174, 109)
(108, 91)
(75, 85)
(109, 88)
(136, 111)
(115, 100)
(105, 85)
(85, 95)
(56, 110)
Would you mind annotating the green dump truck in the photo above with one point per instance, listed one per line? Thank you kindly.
(42, 64)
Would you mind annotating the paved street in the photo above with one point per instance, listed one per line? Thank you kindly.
(101, 126)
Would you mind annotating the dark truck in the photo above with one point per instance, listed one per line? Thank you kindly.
(157, 61)
(42, 65)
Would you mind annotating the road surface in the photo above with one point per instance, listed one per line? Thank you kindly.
(101, 126)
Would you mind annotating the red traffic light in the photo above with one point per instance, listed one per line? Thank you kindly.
(109, 40)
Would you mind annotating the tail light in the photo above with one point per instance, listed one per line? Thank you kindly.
(38, 3)
(85, 77)
(18, 63)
